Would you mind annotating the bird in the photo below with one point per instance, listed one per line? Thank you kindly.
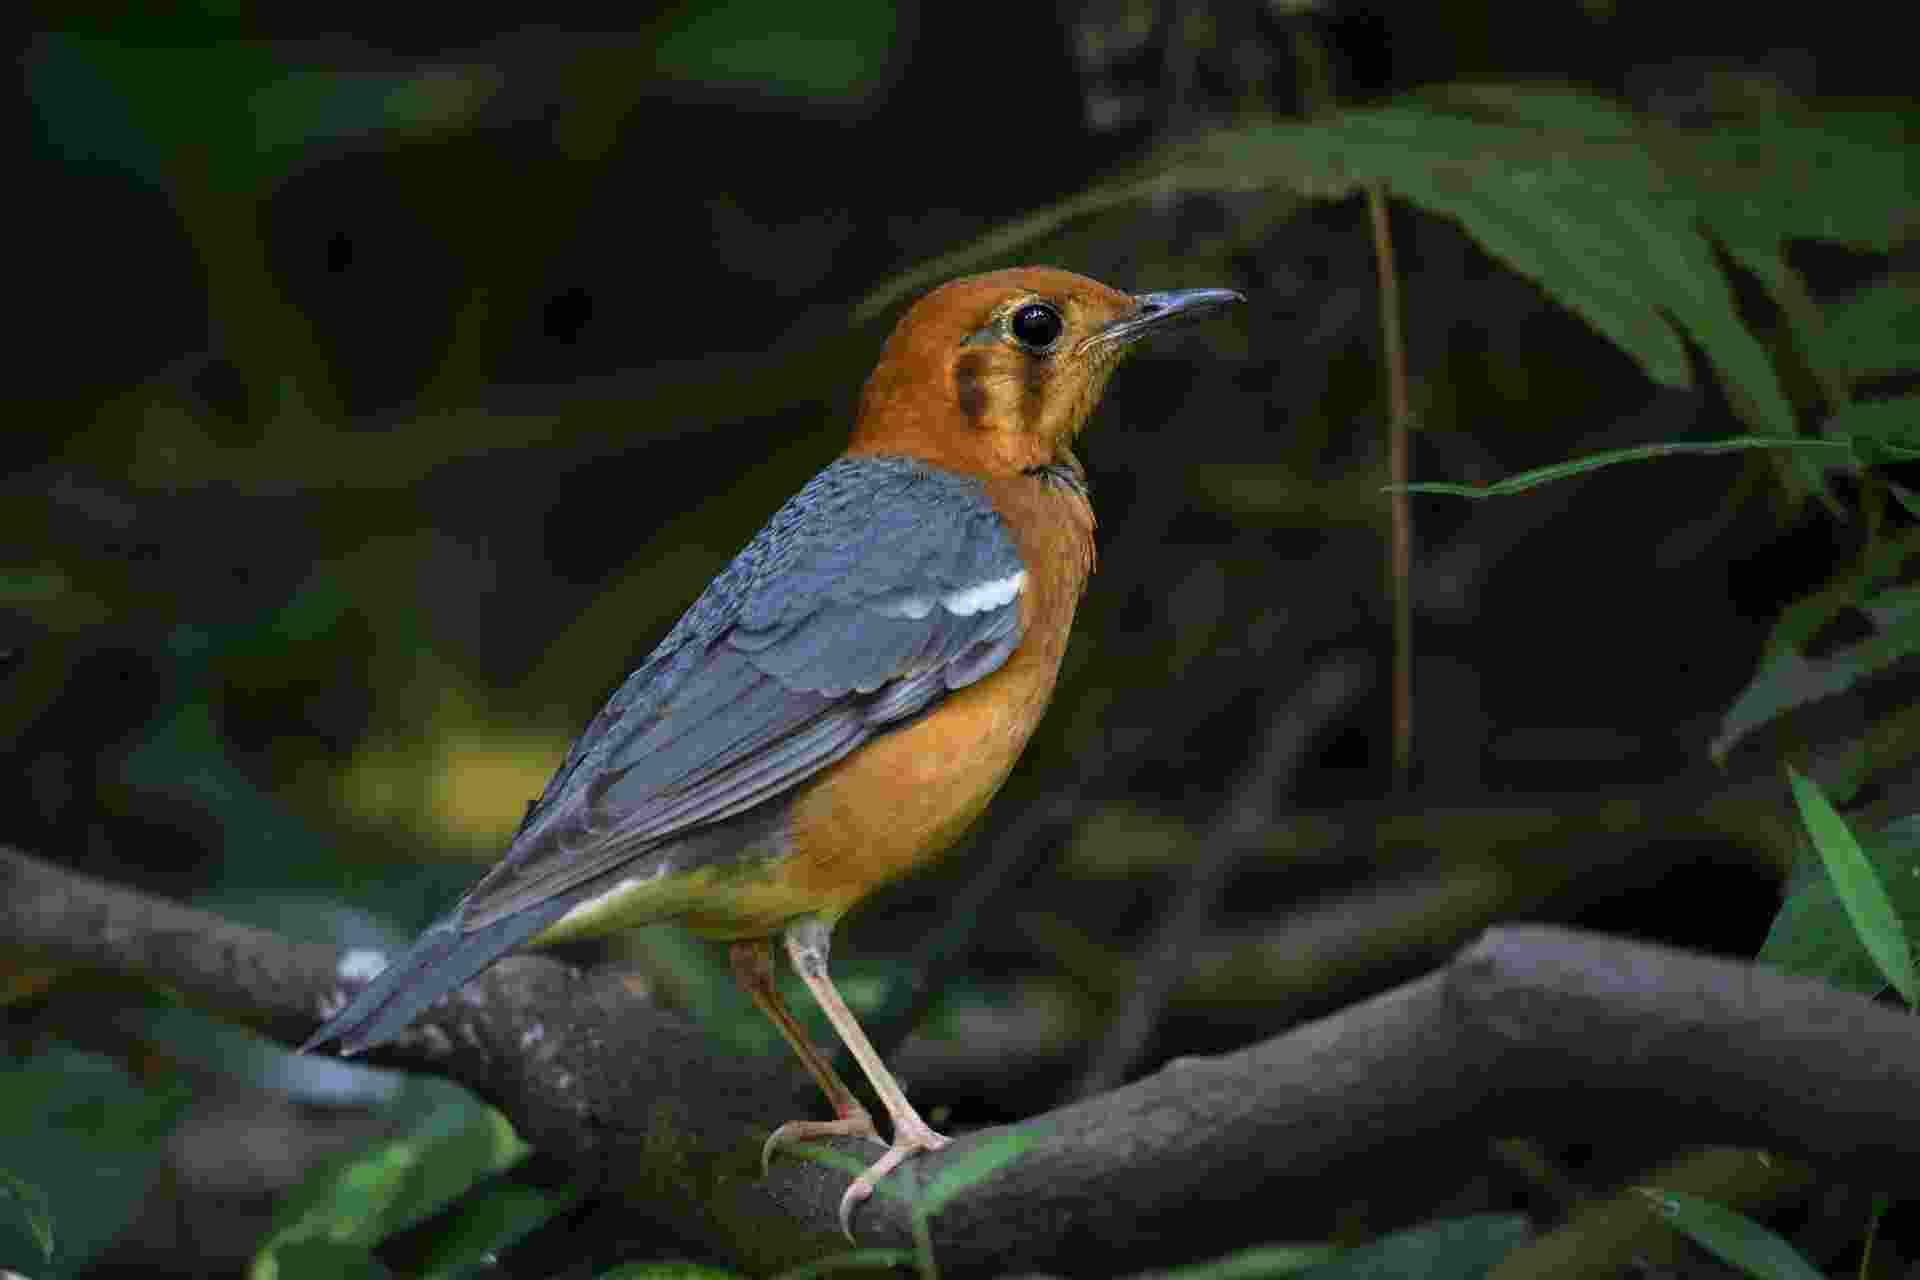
(843, 700)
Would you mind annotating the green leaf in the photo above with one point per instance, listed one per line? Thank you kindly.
(1872, 331)
(1616, 218)
(1881, 430)
(973, 1168)
(852, 1260)
(96, 1139)
(835, 52)
(1459, 1249)
(1782, 676)
(490, 1217)
(33, 1208)
(1787, 679)
(1859, 887)
(250, 118)
(1812, 934)
(328, 1260)
(1637, 453)
(1257, 1263)
(976, 1166)
(677, 1271)
(1732, 1237)
(1845, 176)
(1812, 937)
(1554, 108)
(362, 1199)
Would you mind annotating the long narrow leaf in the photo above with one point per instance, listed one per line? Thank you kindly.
(1263, 1262)
(1733, 1237)
(1575, 466)
(1861, 893)
(853, 1260)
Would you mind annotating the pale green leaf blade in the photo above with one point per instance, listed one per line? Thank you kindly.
(1783, 682)
(1812, 934)
(1258, 1263)
(1458, 1249)
(1732, 1237)
(453, 1142)
(975, 1166)
(852, 1260)
(1858, 885)
(1538, 476)
(33, 1208)
(1789, 679)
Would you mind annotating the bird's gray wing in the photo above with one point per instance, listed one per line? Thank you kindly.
(881, 587)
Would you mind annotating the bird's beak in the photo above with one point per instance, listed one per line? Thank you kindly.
(1158, 311)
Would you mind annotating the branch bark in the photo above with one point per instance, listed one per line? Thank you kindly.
(1531, 1030)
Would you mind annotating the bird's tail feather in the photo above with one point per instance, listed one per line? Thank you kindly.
(438, 963)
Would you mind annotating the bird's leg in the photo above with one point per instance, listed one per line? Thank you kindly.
(807, 944)
(753, 970)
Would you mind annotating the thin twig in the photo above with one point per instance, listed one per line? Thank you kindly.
(1248, 813)
(1400, 549)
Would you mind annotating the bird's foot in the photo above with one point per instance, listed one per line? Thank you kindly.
(853, 1124)
(908, 1140)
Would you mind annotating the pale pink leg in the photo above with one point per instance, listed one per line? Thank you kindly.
(753, 970)
(807, 940)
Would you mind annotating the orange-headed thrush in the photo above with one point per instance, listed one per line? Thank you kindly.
(844, 699)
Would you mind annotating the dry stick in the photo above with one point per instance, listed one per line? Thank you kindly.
(1400, 552)
(1333, 686)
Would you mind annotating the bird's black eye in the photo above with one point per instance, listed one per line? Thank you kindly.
(1036, 325)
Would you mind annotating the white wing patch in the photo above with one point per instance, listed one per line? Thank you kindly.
(361, 965)
(985, 595)
(978, 598)
(915, 607)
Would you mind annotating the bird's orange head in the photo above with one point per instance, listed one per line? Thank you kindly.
(997, 373)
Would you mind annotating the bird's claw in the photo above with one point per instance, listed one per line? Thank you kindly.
(905, 1143)
(856, 1124)
(908, 1140)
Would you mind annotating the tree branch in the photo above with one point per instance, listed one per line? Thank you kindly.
(1530, 1030)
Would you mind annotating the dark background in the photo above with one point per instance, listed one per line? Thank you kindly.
(382, 392)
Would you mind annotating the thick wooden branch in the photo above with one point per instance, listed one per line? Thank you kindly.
(1531, 1030)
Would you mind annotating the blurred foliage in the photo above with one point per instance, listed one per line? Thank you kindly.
(1733, 1237)
(823, 52)
(402, 387)
(30, 1202)
(88, 1139)
(448, 1143)
(1815, 933)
